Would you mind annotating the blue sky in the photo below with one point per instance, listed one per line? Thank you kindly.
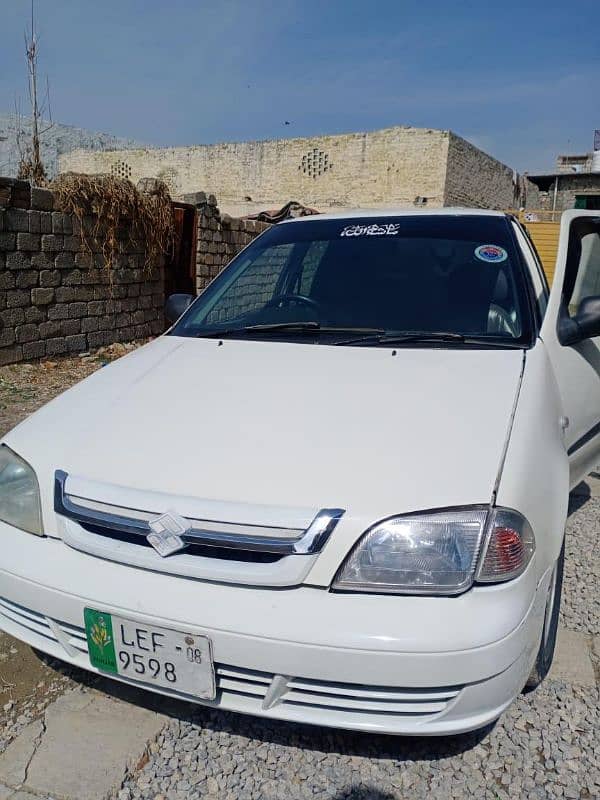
(519, 79)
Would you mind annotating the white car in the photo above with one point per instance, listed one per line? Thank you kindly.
(335, 491)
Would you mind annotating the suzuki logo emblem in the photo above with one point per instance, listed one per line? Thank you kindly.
(166, 533)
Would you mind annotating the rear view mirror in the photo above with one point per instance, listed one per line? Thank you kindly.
(176, 304)
(585, 325)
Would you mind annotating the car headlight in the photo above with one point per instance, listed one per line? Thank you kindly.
(438, 553)
(19, 493)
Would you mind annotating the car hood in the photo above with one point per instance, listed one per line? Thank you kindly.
(367, 429)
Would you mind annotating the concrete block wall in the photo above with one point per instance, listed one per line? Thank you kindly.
(55, 296)
(392, 166)
(476, 180)
(219, 238)
(569, 187)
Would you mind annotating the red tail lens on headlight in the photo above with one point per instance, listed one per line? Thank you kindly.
(509, 547)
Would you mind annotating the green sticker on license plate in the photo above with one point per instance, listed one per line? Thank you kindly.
(100, 639)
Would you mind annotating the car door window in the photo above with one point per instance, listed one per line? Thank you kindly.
(582, 278)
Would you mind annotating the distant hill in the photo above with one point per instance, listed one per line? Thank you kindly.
(59, 139)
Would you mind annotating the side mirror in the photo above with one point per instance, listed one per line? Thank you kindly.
(586, 325)
(176, 304)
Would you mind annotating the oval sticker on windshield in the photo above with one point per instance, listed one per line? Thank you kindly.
(491, 253)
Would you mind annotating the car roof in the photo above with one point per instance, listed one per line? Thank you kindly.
(365, 213)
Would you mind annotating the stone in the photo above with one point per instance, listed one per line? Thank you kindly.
(15, 759)
(8, 241)
(42, 199)
(34, 314)
(7, 279)
(76, 343)
(42, 261)
(17, 219)
(27, 333)
(33, 350)
(17, 260)
(64, 261)
(30, 242)
(89, 324)
(77, 310)
(42, 296)
(35, 221)
(10, 355)
(26, 279)
(95, 307)
(17, 298)
(12, 316)
(103, 735)
(65, 294)
(45, 222)
(70, 327)
(572, 661)
(7, 336)
(58, 311)
(55, 347)
(50, 277)
(72, 278)
(195, 198)
(49, 329)
(51, 243)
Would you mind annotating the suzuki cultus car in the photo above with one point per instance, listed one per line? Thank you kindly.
(335, 490)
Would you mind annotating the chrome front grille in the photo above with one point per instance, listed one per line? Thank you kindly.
(115, 521)
(256, 691)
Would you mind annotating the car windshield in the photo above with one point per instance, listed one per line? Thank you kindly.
(369, 279)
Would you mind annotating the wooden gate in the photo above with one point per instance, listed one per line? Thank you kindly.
(180, 267)
(544, 228)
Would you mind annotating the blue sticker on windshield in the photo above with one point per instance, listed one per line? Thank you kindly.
(491, 253)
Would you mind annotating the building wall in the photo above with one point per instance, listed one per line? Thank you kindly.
(584, 183)
(219, 237)
(55, 296)
(386, 167)
(475, 179)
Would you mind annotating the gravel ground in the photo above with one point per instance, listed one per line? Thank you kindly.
(545, 746)
(580, 608)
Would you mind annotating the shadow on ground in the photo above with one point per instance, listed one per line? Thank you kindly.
(580, 495)
(272, 731)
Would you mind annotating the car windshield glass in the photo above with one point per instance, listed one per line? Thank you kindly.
(319, 279)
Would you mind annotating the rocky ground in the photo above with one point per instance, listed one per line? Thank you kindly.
(546, 746)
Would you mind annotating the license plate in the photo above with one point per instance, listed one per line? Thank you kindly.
(156, 656)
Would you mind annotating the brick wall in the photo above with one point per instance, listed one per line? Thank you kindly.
(399, 166)
(476, 180)
(569, 186)
(220, 237)
(55, 296)
(393, 166)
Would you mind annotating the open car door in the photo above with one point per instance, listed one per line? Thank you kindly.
(571, 333)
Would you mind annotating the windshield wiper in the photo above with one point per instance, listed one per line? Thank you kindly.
(407, 337)
(309, 327)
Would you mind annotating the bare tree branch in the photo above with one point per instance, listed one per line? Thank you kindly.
(31, 166)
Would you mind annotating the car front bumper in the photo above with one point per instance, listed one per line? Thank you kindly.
(347, 661)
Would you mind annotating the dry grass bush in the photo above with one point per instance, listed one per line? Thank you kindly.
(121, 216)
